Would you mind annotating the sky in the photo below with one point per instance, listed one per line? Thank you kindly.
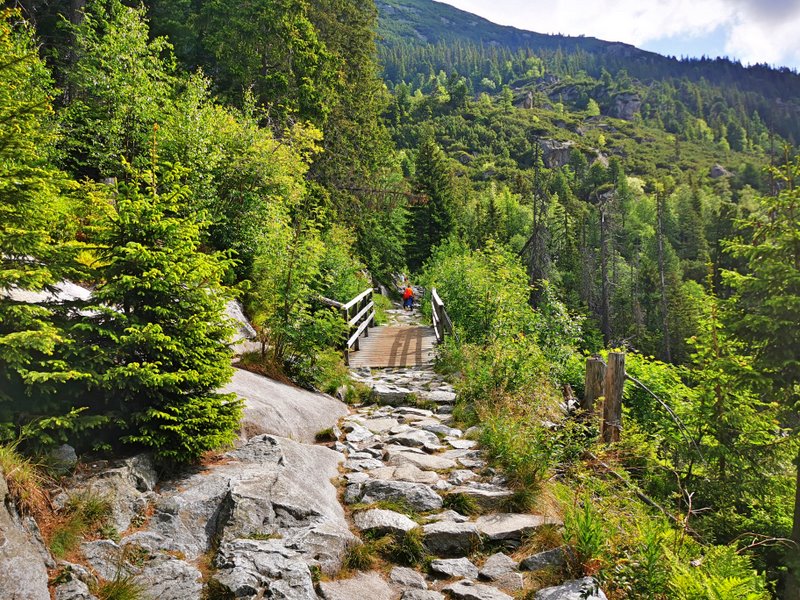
(753, 31)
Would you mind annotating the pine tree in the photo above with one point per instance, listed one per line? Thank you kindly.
(157, 331)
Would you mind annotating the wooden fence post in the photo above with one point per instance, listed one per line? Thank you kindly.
(593, 384)
(612, 390)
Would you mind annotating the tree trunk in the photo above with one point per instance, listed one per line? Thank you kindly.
(593, 385)
(605, 290)
(612, 390)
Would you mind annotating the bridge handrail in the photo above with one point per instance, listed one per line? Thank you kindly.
(442, 325)
(359, 315)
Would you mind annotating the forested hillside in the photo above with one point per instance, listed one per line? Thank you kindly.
(566, 197)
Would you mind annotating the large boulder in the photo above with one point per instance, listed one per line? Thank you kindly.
(381, 521)
(364, 585)
(626, 106)
(448, 538)
(283, 410)
(23, 572)
(555, 154)
(263, 569)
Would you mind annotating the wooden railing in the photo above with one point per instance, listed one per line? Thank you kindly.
(442, 325)
(359, 314)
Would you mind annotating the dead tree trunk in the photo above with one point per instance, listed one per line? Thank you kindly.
(593, 385)
(612, 391)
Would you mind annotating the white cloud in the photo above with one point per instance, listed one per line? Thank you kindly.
(756, 30)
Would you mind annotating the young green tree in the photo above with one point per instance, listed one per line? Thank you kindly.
(32, 259)
(157, 332)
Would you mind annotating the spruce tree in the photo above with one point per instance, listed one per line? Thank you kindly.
(157, 332)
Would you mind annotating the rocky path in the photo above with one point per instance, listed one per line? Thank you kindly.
(411, 477)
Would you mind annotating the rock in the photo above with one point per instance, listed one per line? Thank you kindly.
(76, 571)
(577, 589)
(449, 515)
(418, 438)
(410, 410)
(555, 154)
(455, 567)
(422, 595)
(462, 444)
(167, 578)
(283, 410)
(73, 590)
(509, 526)
(626, 106)
(383, 521)
(461, 476)
(269, 485)
(389, 395)
(363, 464)
(418, 495)
(440, 429)
(63, 459)
(23, 572)
(543, 560)
(438, 396)
(407, 578)
(103, 557)
(243, 330)
(718, 171)
(263, 568)
(447, 538)
(427, 462)
(380, 425)
(415, 474)
(497, 565)
(510, 582)
(357, 433)
(364, 585)
(487, 496)
(469, 590)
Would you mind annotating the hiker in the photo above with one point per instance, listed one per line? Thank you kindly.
(408, 298)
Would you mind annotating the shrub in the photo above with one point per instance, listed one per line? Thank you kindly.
(585, 532)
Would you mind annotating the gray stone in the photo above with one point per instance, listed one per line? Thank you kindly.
(410, 410)
(510, 582)
(357, 433)
(283, 410)
(364, 585)
(449, 515)
(488, 496)
(389, 395)
(447, 538)
(383, 521)
(577, 589)
(439, 396)
(407, 578)
(415, 474)
(243, 330)
(263, 568)
(497, 565)
(555, 154)
(461, 476)
(167, 578)
(417, 438)
(72, 590)
(418, 495)
(422, 595)
(77, 571)
(462, 444)
(509, 526)
(543, 560)
(63, 459)
(104, 557)
(626, 106)
(427, 462)
(455, 567)
(440, 429)
(469, 590)
(380, 425)
(364, 464)
(718, 171)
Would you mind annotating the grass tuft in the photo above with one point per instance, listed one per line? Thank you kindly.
(85, 513)
(122, 587)
(24, 479)
(462, 503)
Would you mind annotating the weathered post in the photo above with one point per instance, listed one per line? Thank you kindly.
(593, 384)
(612, 390)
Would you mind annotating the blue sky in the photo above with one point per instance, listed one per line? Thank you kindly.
(753, 31)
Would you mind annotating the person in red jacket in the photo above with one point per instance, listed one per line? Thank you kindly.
(408, 298)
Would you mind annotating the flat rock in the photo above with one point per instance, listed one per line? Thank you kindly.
(363, 464)
(510, 526)
(283, 410)
(447, 538)
(462, 444)
(439, 396)
(487, 496)
(497, 565)
(168, 578)
(383, 521)
(455, 567)
(418, 495)
(389, 394)
(380, 425)
(449, 515)
(73, 590)
(263, 569)
(415, 474)
(577, 589)
(417, 438)
(441, 429)
(426, 462)
(407, 578)
(357, 433)
(469, 590)
(364, 585)
(543, 560)
(23, 573)
(422, 595)
(461, 476)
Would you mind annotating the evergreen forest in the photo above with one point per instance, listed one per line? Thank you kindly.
(567, 197)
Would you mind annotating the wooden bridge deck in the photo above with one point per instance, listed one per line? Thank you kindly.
(395, 347)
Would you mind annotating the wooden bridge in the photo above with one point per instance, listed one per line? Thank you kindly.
(398, 345)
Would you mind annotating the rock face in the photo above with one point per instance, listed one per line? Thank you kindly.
(718, 171)
(243, 333)
(627, 106)
(555, 154)
(283, 410)
(23, 572)
(577, 589)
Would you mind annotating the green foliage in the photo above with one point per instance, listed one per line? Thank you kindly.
(462, 503)
(721, 574)
(156, 335)
(24, 479)
(84, 513)
(122, 587)
(585, 532)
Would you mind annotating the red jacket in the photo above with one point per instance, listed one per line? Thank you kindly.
(408, 293)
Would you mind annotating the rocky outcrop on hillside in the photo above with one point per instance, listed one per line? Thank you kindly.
(555, 154)
(626, 106)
